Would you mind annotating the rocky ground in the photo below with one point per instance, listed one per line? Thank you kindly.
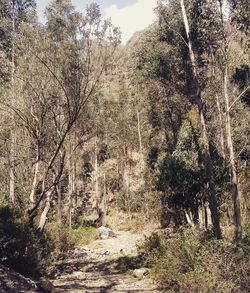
(109, 265)
(12, 282)
(104, 266)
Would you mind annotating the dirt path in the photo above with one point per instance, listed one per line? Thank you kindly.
(105, 266)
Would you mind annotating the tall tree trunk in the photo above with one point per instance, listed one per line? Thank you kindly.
(234, 181)
(189, 218)
(58, 187)
(12, 198)
(104, 195)
(32, 197)
(199, 102)
(139, 130)
(201, 215)
(44, 214)
(97, 192)
(59, 204)
(220, 115)
(71, 177)
(70, 192)
(222, 141)
(208, 218)
(12, 134)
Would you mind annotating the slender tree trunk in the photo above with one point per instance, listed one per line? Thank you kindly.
(70, 193)
(201, 216)
(59, 203)
(44, 214)
(97, 192)
(220, 115)
(139, 130)
(32, 196)
(222, 141)
(199, 102)
(12, 134)
(71, 178)
(126, 180)
(234, 181)
(189, 218)
(12, 198)
(104, 196)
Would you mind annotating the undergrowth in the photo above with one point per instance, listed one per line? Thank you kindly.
(23, 251)
(66, 239)
(193, 262)
(20, 248)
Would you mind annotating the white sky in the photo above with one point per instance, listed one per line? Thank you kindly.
(129, 15)
(132, 18)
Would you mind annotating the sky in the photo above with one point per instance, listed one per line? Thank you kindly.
(129, 15)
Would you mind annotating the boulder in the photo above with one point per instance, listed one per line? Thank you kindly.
(140, 273)
(105, 233)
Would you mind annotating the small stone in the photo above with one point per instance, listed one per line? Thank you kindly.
(103, 232)
(46, 285)
(78, 274)
(140, 273)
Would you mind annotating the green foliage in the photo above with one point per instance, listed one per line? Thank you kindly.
(241, 14)
(66, 239)
(246, 236)
(20, 248)
(181, 175)
(113, 180)
(241, 77)
(189, 262)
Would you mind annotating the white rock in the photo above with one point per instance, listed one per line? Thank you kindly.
(140, 273)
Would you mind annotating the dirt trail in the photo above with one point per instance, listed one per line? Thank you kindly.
(103, 267)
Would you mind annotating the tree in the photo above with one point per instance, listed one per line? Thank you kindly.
(197, 92)
(59, 79)
(12, 14)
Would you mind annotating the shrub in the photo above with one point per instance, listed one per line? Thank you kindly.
(20, 248)
(66, 239)
(189, 262)
(246, 236)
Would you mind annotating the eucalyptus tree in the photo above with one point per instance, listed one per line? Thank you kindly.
(58, 75)
(205, 49)
(199, 100)
(177, 65)
(13, 14)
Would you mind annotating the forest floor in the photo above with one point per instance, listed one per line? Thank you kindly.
(104, 266)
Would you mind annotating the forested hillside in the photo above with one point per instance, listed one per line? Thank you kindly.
(152, 133)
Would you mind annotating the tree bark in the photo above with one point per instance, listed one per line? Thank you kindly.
(32, 197)
(97, 192)
(139, 130)
(59, 203)
(234, 180)
(44, 214)
(220, 115)
(199, 103)
(12, 134)
(189, 218)
(70, 189)
(201, 216)
(12, 198)
(222, 141)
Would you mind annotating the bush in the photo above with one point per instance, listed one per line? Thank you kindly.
(66, 239)
(246, 236)
(23, 251)
(189, 262)
(20, 248)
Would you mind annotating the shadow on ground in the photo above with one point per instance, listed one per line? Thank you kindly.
(100, 276)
